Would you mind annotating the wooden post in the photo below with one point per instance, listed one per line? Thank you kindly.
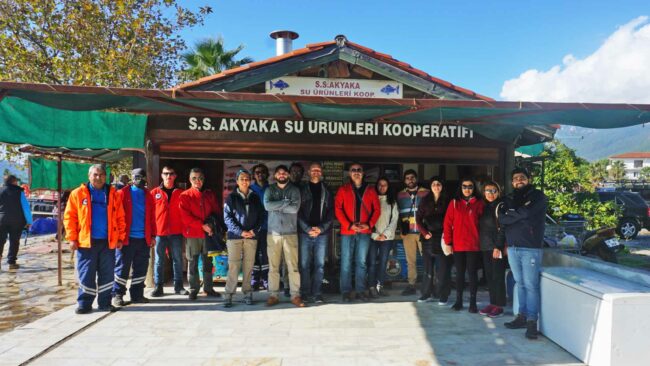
(59, 223)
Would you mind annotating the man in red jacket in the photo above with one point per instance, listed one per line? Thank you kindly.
(357, 208)
(140, 225)
(166, 199)
(196, 204)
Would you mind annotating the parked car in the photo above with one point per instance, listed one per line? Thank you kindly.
(635, 212)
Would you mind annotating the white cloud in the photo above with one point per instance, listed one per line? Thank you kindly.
(618, 72)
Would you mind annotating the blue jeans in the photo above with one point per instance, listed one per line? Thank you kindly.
(175, 245)
(377, 259)
(312, 260)
(354, 247)
(525, 264)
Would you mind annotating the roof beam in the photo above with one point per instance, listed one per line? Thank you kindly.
(296, 109)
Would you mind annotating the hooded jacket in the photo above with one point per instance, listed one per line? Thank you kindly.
(461, 224)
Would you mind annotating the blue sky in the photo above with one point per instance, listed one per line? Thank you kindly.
(477, 44)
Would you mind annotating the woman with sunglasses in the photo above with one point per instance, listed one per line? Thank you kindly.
(461, 234)
(492, 246)
(429, 218)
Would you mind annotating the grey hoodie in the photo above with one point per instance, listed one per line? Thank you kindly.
(282, 205)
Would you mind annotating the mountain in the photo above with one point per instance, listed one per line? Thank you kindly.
(592, 144)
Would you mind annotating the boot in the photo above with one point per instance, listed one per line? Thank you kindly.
(458, 305)
(472, 305)
(531, 329)
(518, 323)
(157, 292)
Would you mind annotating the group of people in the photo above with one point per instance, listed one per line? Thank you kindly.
(287, 225)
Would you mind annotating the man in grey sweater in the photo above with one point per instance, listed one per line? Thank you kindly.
(282, 201)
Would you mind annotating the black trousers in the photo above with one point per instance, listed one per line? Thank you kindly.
(14, 232)
(427, 288)
(444, 263)
(495, 274)
(466, 261)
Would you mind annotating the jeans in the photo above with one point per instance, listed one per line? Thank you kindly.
(354, 247)
(377, 259)
(525, 264)
(14, 232)
(495, 273)
(312, 260)
(175, 245)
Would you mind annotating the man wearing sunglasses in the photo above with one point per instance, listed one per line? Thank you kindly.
(357, 208)
(168, 231)
(522, 219)
(140, 228)
(196, 204)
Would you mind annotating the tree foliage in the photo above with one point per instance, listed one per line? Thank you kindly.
(210, 57)
(598, 171)
(617, 170)
(644, 174)
(121, 43)
(568, 185)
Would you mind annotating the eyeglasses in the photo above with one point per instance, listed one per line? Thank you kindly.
(169, 174)
(519, 177)
(467, 186)
(197, 178)
(138, 177)
(491, 191)
(356, 170)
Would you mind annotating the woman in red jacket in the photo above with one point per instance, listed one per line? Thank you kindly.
(461, 233)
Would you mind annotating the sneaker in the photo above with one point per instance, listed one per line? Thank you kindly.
(518, 323)
(192, 295)
(287, 292)
(14, 265)
(157, 292)
(425, 299)
(256, 286)
(409, 290)
(142, 300)
(298, 302)
(118, 301)
(346, 298)
(382, 292)
(457, 306)
(83, 310)
(181, 291)
(248, 300)
(228, 302)
(109, 308)
(487, 310)
(318, 299)
(496, 312)
(443, 301)
(212, 293)
(272, 301)
(373, 293)
(531, 329)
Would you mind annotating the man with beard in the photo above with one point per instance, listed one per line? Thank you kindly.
(408, 201)
(522, 220)
(140, 230)
(282, 201)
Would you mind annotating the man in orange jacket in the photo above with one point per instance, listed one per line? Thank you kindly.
(94, 225)
(140, 229)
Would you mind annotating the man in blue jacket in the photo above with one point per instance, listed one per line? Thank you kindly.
(14, 215)
(522, 219)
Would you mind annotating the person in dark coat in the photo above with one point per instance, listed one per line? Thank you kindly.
(14, 215)
(492, 250)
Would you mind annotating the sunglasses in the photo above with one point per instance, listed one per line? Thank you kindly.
(491, 191)
(198, 178)
(168, 174)
(356, 170)
(467, 186)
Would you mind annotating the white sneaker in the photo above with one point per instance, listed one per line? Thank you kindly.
(443, 303)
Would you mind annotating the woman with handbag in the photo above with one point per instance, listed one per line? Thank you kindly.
(244, 215)
(382, 238)
(461, 234)
(430, 217)
(492, 248)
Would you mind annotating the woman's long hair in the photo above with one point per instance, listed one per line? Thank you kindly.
(494, 184)
(390, 193)
(459, 192)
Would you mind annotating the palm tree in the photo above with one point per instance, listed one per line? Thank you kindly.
(209, 57)
(598, 171)
(617, 170)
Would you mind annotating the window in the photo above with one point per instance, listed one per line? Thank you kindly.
(638, 163)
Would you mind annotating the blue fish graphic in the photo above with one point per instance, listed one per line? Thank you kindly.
(280, 84)
(388, 89)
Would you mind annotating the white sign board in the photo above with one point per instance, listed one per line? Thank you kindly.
(322, 87)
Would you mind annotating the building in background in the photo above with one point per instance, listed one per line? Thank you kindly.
(634, 162)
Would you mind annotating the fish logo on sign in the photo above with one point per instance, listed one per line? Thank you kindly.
(389, 89)
(280, 84)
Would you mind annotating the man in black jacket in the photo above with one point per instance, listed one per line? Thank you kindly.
(12, 218)
(522, 218)
(315, 223)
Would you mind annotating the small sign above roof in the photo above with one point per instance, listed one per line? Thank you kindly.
(346, 88)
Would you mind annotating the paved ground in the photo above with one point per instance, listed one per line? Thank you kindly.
(173, 331)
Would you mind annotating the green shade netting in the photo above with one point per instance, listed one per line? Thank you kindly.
(24, 122)
(44, 172)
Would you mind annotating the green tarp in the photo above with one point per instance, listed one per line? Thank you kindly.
(25, 122)
(531, 150)
(43, 174)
